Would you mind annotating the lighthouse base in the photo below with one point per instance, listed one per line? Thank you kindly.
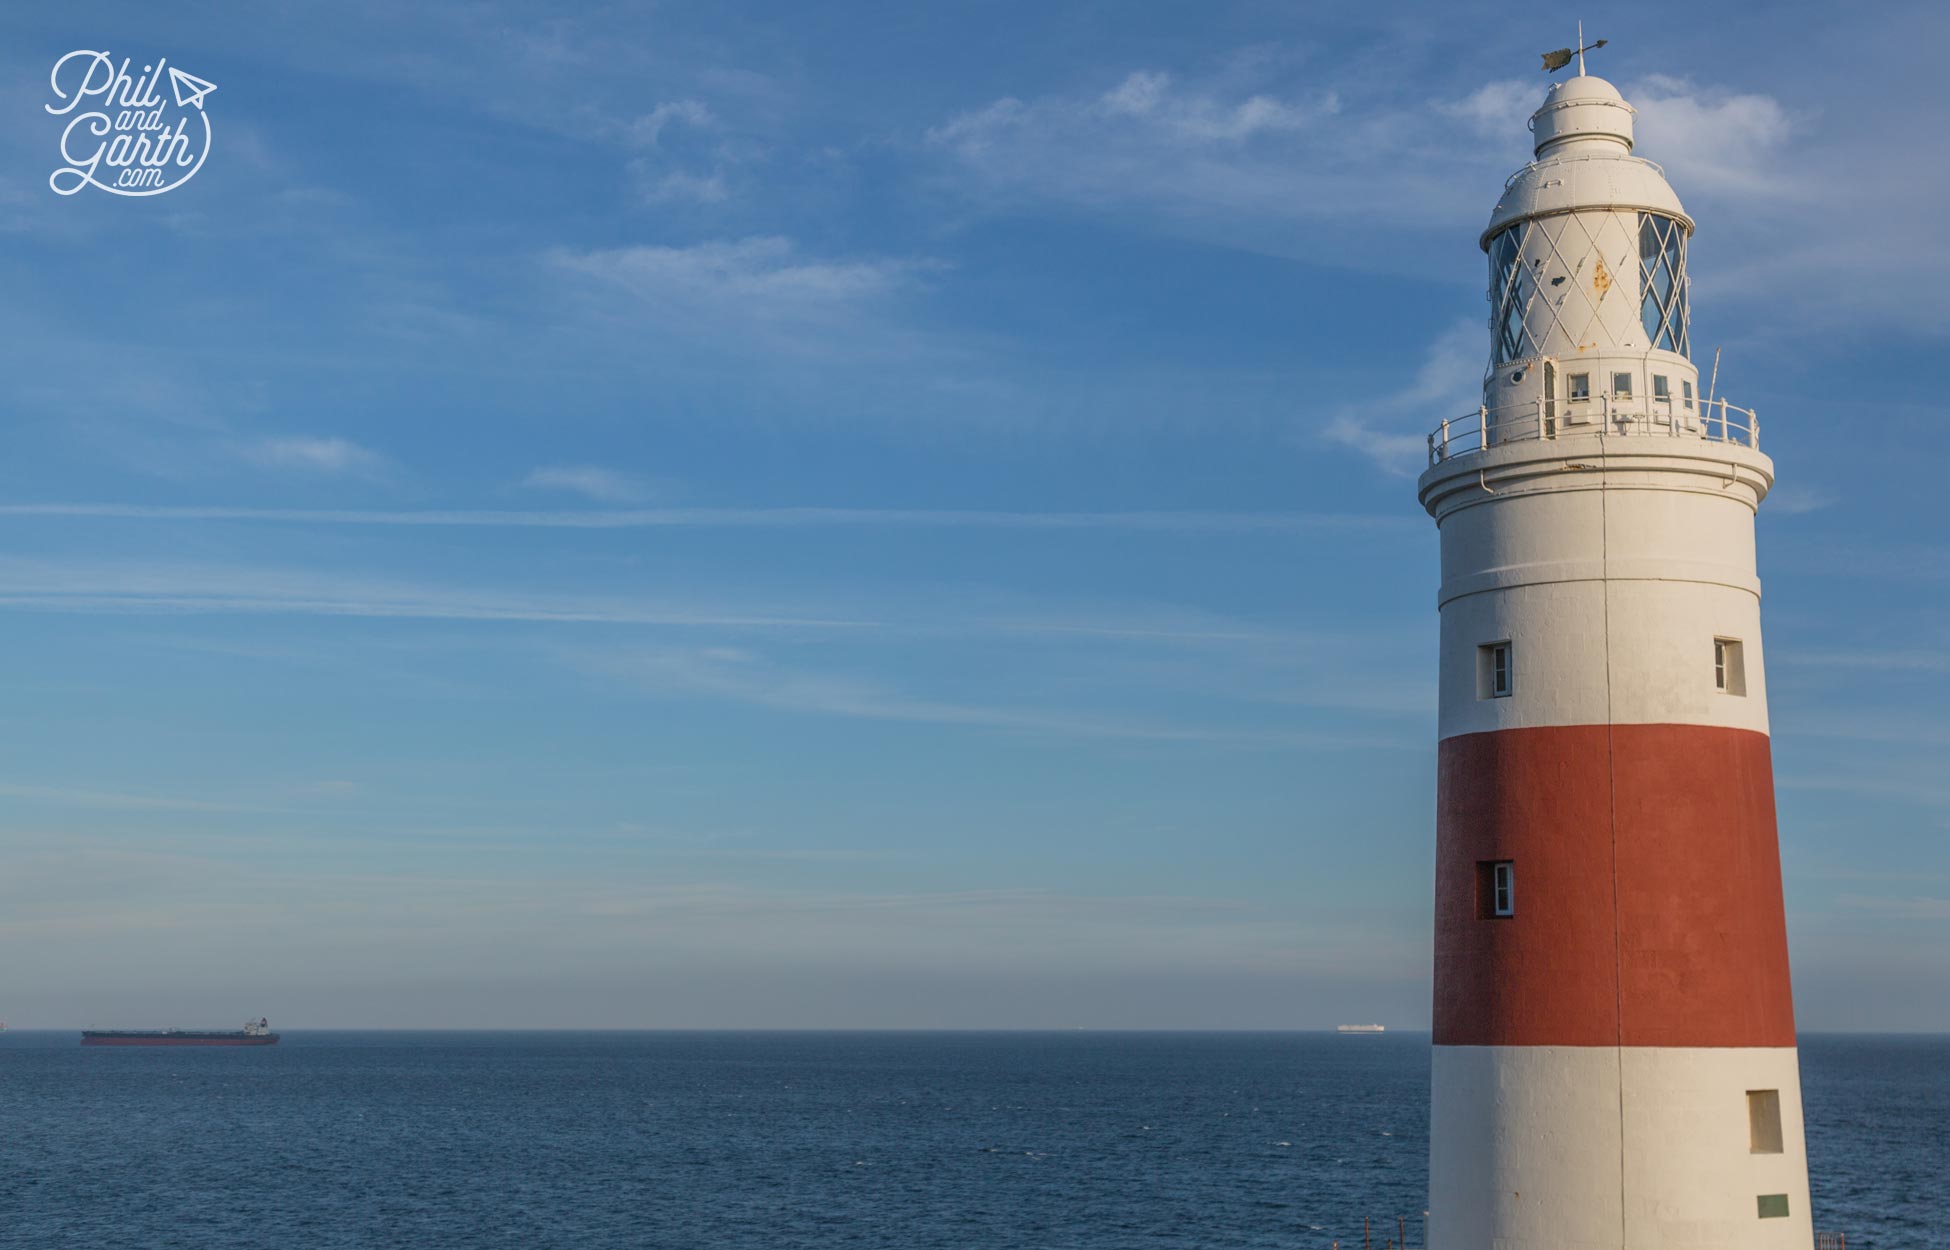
(1583, 1147)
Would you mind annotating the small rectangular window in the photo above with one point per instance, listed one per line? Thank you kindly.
(1729, 667)
(1496, 889)
(1773, 1206)
(1764, 1121)
(1621, 386)
(1580, 387)
(1493, 676)
(1661, 389)
(1686, 392)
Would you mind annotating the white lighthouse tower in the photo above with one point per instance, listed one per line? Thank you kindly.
(1615, 1058)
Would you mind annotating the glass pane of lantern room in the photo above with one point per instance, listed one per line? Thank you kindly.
(1509, 295)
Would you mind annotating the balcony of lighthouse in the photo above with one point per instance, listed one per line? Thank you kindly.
(1551, 417)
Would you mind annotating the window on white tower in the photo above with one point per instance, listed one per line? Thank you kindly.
(1494, 679)
(1621, 386)
(1686, 392)
(1729, 667)
(1764, 1121)
(1661, 389)
(1580, 387)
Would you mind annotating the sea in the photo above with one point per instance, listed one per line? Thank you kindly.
(769, 1141)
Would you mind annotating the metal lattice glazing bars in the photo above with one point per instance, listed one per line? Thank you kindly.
(1662, 273)
(1560, 261)
(1511, 290)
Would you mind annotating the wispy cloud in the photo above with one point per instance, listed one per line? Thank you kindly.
(152, 587)
(1789, 177)
(751, 274)
(1921, 785)
(1152, 100)
(1913, 908)
(648, 128)
(1398, 175)
(1498, 111)
(754, 518)
(1796, 500)
(1713, 140)
(1392, 430)
(313, 454)
(1155, 143)
(1891, 660)
(435, 923)
(678, 185)
(118, 801)
(591, 481)
(758, 290)
(746, 677)
(693, 170)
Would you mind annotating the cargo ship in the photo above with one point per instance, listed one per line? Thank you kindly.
(1361, 1028)
(254, 1033)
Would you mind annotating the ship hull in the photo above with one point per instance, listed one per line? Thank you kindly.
(177, 1039)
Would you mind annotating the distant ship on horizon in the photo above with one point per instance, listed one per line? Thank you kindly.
(1361, 1028)
(254, 1033)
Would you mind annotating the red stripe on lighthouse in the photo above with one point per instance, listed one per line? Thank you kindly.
(1648, 889)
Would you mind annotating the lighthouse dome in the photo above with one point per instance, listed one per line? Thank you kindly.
(1584, 162)
(1582, 109)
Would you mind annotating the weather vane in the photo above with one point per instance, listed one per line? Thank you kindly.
(1554, 61)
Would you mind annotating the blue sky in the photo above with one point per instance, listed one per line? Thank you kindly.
(881, 515)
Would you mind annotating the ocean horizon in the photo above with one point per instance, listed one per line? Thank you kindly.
(777, 1137)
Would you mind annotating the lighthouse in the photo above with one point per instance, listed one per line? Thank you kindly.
(1614, 1060)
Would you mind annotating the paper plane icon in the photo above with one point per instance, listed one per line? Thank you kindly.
(189, 89)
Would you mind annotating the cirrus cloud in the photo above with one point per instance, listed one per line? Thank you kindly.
(313, 454)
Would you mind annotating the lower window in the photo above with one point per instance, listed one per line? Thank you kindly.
(1764, 1121)
(1496, 889)
(1729, 666)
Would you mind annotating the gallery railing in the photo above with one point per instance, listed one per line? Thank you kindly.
(1717, 421)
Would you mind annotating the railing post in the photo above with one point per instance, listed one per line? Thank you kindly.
(1753, 430)
(1482, 427)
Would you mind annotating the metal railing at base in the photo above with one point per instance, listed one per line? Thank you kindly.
(1384, 1238)
(1831, 1241)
